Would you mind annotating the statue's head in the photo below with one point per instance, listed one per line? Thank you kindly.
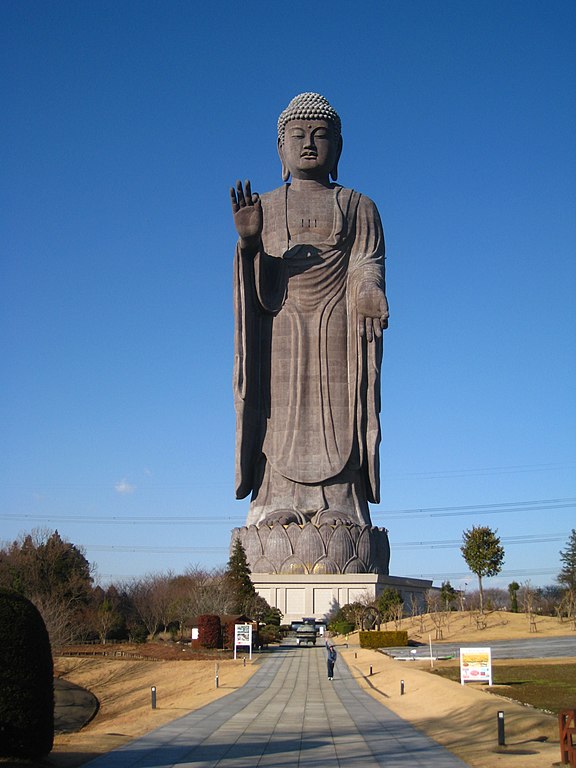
(309, 138)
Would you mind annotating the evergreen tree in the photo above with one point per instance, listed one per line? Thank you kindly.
(388, 600)
(238, 579)
(483, 554)
(513, 588)
(567, 576)
(55, 575)
(447, 594)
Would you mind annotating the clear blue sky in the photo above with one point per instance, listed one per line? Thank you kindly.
(124, 123)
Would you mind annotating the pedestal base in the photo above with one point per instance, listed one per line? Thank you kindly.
(316, 595)
(338, 548)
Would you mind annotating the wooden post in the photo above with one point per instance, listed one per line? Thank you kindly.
(567, 726)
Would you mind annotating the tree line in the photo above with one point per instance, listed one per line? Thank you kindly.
(57, 578)
(484, 554)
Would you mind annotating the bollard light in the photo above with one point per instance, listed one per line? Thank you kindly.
(153, 694)
(401, 687)
(501, 734)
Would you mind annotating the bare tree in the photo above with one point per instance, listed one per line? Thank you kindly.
(415, 608)
(567, 607)
(434, 607)
(528, 596)
(141, 594)
(103, 613)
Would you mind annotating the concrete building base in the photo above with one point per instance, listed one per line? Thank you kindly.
(317, 595)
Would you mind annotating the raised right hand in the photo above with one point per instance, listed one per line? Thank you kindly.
(247, 212)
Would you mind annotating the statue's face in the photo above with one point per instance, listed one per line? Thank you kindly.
(311, 149)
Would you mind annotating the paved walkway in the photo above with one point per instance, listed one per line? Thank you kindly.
(288, 715)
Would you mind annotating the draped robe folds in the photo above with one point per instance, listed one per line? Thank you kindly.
(306, 385)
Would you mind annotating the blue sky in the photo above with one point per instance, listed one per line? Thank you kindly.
(124, 124)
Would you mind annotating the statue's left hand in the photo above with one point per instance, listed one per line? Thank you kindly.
(372, 311)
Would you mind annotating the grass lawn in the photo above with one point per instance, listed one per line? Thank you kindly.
(550, 687)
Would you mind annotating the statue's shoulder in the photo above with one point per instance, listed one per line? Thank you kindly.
(365, 202)
(356, 203)
(274, 197)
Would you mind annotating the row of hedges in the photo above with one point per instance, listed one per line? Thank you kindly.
(383, 639)
(213, 633)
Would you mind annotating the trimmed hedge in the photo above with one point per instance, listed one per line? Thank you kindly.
(209, 631)
(383, 639)
(343, 627)
(26, 680)
(228, 631)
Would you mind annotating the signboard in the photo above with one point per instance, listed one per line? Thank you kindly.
(475, 665)
(242, 637)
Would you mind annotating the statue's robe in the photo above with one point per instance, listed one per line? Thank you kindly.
(307, 386)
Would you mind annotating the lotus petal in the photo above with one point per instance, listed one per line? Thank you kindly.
(383, 550)
(325, 532)
(325, 565)
(252, 544)
(310, 547)
(364, 545)
(278, 546)
(293, 564)
(264, 533)
(355, 532)
(355, 566)
(340, 546)
(263, 565)
(293, 531)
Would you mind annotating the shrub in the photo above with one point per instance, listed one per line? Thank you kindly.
(228, 634)
(138, 634)
(26, 680)
(383, 639)
(209, 631)
(343, 627)
(270, 634)
(341, 622)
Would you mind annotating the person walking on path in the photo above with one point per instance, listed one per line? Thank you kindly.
(332, 656)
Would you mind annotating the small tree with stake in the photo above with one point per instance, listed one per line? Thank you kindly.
(483, 554)
(567, 576)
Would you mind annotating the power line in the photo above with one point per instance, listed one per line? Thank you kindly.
(152, 549)
(503, 574)
(479, 509)
(537, 538)
(483, 471)
(395, 546)
(432, 512)
(127, 519)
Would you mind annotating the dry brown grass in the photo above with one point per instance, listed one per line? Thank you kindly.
(463, 719)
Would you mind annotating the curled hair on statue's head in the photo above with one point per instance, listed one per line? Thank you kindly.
(310, 106)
